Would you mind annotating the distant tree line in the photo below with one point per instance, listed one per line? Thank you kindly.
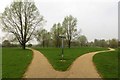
(106, 43)
(81, 41)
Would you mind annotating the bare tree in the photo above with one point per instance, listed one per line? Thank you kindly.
(21, 19)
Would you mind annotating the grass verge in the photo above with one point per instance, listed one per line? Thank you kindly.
(54, 55)
(14, 62)
(107, 64)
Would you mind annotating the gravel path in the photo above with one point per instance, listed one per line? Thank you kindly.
(82, 67)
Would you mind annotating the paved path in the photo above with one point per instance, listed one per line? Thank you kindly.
(82, 67)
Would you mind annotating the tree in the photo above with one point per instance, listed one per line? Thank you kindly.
(0, 45)
(41, 36)
(6, 43)
(90, 44)
(119, 43)
(29, 45)
(82, 40)
(56, 31)
(100, 43)
(113, 43)
(103, 43)
(70, 27)
(54, 34)
(96, 42)
(48, 38)
(21, 19)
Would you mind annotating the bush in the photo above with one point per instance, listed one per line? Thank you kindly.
(29, 45)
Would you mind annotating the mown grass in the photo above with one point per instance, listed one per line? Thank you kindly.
(54, 55)
(107, 64)
(14, 62)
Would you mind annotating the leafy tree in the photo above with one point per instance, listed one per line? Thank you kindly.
(103, 43)
(6, 43)
(56, 31)
(29, 45)
(96, 42)
(70, 27)
(82, 40)
(113, 43)
(22, 19)
(90, 44)
(48, 38)
(54, 34)
(41, 36)
(100, 43)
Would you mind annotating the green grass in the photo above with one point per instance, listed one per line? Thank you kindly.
(53, 55)
(107, 64)
(14, 62)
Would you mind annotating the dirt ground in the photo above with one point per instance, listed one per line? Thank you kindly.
(82, 67)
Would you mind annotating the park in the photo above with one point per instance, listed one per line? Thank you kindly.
(29, 50)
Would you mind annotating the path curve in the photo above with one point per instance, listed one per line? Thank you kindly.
(82, 67)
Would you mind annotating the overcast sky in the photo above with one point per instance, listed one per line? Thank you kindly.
(96, 18)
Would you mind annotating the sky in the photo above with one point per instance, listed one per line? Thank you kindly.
(97, 19)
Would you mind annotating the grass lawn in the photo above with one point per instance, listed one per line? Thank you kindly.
(107, 64)
(15, 62)
(53, 55)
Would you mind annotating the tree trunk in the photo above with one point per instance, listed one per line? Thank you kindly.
(24, 45)
(43, 43)
(59, 42)
(69, 44)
